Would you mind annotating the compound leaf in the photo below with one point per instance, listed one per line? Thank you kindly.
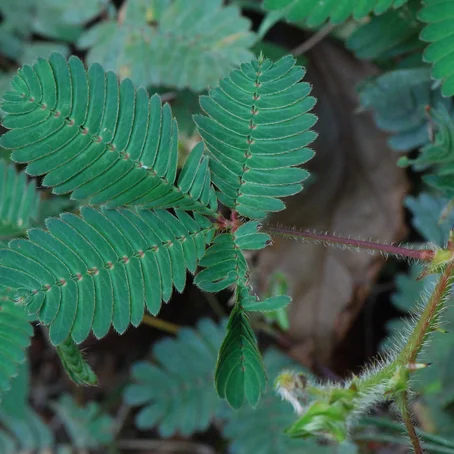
(240, 374)
(15, 335)
(97, 139)
(19, 203)
(316, 12)
(256, 131)
(439, 32)
(390, 35)
(175, 43)
(88, 273)
(399, 101)
(176, 390)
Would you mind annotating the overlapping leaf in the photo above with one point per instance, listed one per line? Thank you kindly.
(257, 132)
(100, 140)
(176, 390)
(240, 374)
(315, 12)
(104, 268)
(399, 101)
(392, 34)
(437, 157)
(224, 263)
(439, 32)
(175, 43)
(15, 335)
(19, 202)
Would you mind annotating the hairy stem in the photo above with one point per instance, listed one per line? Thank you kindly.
(402, 405)
(428, 319)
(425, 254)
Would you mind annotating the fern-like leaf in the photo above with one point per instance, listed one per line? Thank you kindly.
(102, 269)
(439, 32)
(240, 373)
(175, 43)
(15, 334)
(257, 132)
(316, 12)
(75, 365)
(19, 203)
(99, 140)
(177, 391)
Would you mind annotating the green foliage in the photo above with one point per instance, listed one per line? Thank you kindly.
(439, 17)
(19, 204)
(102, 141)
(88, 426)
(431, 217)
(399, 101)
(392, 34)
(240, 374)
(102, 269)
(261, 430)
(434, 384)
(180, 43)
(438, 156)
(76, 367)
(21, 429)
(15, 334)
(256, 132)
(176, 390)
(316, 12)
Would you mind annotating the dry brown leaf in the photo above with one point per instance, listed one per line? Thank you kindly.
(358, 191)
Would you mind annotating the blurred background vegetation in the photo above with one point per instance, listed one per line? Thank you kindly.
(376, 100)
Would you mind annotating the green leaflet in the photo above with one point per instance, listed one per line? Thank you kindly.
(224, 263)
(176, 390)
(100, 140)
(87, 273)
(240, 375)
(439, 17)
(76, 367)
(315, 12)
(19, 202)
(172, 43)
(256, 131)
(15, 335)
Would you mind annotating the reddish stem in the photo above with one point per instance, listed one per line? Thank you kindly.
(424, 254)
